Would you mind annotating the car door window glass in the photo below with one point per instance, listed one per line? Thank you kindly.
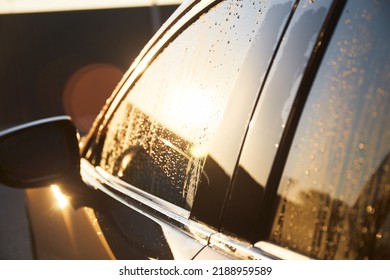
(270, 117)
(334, 194)
(227, 143)
(160, 135)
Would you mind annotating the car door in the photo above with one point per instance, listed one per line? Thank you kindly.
(167, 145)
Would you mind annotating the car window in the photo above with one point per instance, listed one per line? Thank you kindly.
(160, 135)
(334, 194)
(270, 119)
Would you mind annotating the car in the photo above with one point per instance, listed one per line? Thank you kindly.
(243, 130)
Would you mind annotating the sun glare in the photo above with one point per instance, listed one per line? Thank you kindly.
(62, 200)
(196, 109)
(199, 151)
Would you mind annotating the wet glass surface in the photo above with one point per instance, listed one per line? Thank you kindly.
(270, 117)
(173, 118)
(335, 190)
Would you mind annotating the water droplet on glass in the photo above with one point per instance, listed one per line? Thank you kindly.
(370, 209)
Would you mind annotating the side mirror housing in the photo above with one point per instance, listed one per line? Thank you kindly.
(39, 153)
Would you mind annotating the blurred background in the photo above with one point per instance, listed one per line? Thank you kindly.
(67, 59)
(63, 57)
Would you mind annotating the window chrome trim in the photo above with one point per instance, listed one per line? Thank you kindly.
(278, 252)
(144, 203)
(244, 250)
(146, 198)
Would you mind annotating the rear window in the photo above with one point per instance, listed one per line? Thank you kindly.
(334, 195)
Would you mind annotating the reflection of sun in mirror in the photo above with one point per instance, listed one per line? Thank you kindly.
(61, 199)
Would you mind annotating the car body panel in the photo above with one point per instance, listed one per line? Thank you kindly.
(61, 231)
(94, 226)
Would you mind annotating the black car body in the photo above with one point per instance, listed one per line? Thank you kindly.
(244, 129)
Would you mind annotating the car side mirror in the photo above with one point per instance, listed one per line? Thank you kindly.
(39, 153)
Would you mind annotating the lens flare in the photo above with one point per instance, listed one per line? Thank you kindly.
(62, 200)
